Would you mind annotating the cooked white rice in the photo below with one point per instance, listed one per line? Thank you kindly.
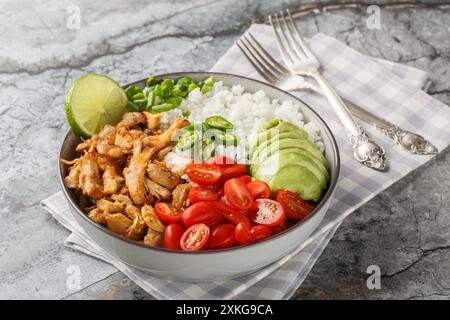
(246, 111)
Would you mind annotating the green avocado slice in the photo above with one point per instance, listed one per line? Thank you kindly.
(289, 157)
(297, 179)
(286, 141)
(272, 128)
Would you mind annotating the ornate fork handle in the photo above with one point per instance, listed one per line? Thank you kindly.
(410, 141)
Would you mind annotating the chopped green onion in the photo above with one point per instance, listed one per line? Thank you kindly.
(176, 101)
(131, 106)
(166, 88)
(132, 90)
(140, 102)
(192, 86)
(219, 123)
(151, 81)
(137, 96)
(186, 113)
(162, 107)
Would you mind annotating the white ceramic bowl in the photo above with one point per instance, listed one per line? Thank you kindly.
(210, 265)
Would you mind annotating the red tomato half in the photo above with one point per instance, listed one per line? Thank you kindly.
(295, 207)
(203, 174)
(232, 215)
(260, 232)
(199, 193)
(222, 237)
(259, 189)
(232, 171)
(167, 213)
(243, 234)
(238, 195)
(202, 212)
(172, 236)
(270, 213)
(246, 179)
(195, 238)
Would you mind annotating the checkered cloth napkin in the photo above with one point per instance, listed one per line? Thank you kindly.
(389, 90)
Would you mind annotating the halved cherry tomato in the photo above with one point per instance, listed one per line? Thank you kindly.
(295, 207)
(238, 195)
(222, 237)
(259, 189)
(195, 238)
(232, 171)
(203, 174)
(172, 236)
(270, 213)
(281, 227)
(260, 232)
(229, 168)
(231, 214)
(202, 212)
(220, 160)
(167, 213)
(246, 179)
(199, 193)
(243, 234)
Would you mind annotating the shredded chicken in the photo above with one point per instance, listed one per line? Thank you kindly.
(120, 174)
(180, 196)
(161, 174)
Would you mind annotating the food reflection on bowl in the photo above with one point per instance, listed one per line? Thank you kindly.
(210, 264)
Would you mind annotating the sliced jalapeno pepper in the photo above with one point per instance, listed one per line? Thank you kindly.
(219, 123)
(187, 140)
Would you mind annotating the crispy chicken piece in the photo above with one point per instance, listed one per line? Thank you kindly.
(151, 218)
(107, 133)
(124, 140)
(180, 196)
(134, 175)
(153, 238)
(131, 119)
(152, 120)
(163, 152)
(159, 192)
(121, 198)
(96, 215)
(137, 230)
(111, 180)
(104, 148)
(108, 206)
(90, 177)
(164, 139)
(118, 222)
(84, 146)
(72, 180)
(162, 175)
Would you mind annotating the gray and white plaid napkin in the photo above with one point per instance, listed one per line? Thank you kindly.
(390, 90)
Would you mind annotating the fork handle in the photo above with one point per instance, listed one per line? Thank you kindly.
(365, 150)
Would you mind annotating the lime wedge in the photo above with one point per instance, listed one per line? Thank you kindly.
(93, 101)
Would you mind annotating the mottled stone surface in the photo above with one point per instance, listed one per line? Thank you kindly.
(405, 230)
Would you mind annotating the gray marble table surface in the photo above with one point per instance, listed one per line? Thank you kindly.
(44, 46)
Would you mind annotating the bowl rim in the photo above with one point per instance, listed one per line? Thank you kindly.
(325, 198)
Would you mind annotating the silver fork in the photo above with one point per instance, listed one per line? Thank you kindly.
(301, 60)
(275, 73)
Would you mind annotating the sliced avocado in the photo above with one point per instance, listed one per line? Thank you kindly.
(297, 179)
(274, 127)
(279, 143)
(267, 152)
(289, 157)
